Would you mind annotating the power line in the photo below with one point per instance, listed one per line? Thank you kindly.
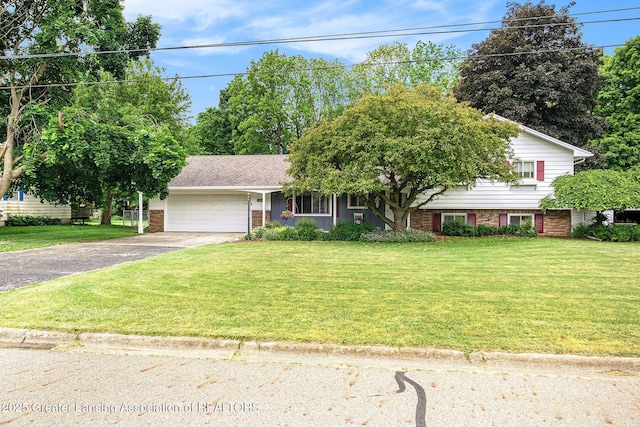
(304, 69)
(404, 32)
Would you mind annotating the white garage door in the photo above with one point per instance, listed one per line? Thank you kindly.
(210, 212)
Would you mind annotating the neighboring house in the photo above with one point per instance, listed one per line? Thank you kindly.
(23, 204)
(235, 193)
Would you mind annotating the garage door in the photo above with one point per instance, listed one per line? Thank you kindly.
(211, 212)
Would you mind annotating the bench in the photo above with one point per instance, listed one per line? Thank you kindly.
(83, 214)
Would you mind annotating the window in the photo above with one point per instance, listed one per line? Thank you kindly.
(17, 195)
(520, 219)
(356, 202)
(450, 217)
(313, 204)
(526, 170)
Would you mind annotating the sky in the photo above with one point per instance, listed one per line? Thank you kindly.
(206, 22)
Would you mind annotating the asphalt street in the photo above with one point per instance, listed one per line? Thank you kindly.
(77, 386)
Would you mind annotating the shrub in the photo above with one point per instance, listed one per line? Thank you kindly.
(485, 230)
(390, 236)
(458, 228)
(281, 233)
(307, 229)
(26, 221)
(348, 231)
(621, 233)
(612, 232)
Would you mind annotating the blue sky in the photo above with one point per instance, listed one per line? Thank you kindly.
(200, 22)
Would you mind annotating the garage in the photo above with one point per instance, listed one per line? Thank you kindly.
(207, 212)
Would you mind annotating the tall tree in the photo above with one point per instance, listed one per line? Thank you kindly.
(117, 138)
(213, 131)
(270, 106)
(427, 63)
(392, 147)
(619, 104)
(30, 28)
(535, 69)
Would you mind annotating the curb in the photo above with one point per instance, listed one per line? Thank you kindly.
(234, 349)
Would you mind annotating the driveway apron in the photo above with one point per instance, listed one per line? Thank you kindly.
(38, 265)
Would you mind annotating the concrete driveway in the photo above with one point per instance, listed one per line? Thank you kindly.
(38, 265)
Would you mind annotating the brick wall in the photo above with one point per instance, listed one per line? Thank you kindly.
(556, 223)
(156, 221)
(256, 218)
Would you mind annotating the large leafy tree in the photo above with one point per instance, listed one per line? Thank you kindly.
(427, 63)
(619, 104)
(597, 190)
(535, 69)
(213, 131)
(116, 138)
(31, 28)
(269, 106)
(395, 146)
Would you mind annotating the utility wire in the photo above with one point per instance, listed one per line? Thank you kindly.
(305, 69)
(345, 36)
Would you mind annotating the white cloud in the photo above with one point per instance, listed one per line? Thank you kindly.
(203, 12)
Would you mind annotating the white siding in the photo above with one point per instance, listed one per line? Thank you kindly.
(486, 195)
(582, 217)
(32, 206)
(156, 204)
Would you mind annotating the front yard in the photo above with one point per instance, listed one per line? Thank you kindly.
(22, 238)
(532, 295)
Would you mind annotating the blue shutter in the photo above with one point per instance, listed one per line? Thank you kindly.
(21, 195)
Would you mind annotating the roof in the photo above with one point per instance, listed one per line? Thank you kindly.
(246, 171)
(578, 153)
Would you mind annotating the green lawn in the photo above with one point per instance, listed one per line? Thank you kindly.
(541, 295)
(21, 238)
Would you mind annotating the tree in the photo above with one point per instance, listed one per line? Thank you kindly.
(536, 70)
(596, 190)
(619, 104)
(213, 131)
(30, 28)
(117, 138)
(427, 63)
(396, 146)
(269, 106)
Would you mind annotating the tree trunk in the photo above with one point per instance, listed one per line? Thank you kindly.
(107, 210)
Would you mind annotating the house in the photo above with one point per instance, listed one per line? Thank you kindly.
(236, 193)
(538, 159)
(23, 204)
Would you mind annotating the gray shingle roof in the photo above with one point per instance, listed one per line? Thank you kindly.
(269, 170)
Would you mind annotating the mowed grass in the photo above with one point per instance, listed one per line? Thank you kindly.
(532, 295)
(21, 238)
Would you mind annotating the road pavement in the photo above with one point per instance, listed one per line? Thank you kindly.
(96, 384)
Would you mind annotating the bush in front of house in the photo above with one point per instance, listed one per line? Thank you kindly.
(280, 233)
(610, 232)
(462, 229)
(307, 229)
(404, 236)
(348, 231)
(30, 221)
(458, 228)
